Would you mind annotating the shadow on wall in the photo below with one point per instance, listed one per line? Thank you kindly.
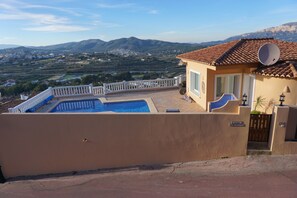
(291, 132)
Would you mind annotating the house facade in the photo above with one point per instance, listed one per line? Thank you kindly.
(234, 68)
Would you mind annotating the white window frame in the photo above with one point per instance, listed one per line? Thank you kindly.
(195, 91)
(224, 75)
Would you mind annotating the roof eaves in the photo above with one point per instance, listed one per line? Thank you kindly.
(187, 59)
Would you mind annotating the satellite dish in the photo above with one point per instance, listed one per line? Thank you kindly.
(268, 54)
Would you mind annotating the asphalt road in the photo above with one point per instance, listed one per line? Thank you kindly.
(251, 176)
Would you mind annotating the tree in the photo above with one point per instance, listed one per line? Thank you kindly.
(260, 102)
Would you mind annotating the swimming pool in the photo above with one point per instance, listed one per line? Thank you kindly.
(96, 105)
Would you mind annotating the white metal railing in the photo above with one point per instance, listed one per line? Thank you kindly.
(32, 102)
(107, 88)
(114, 87)
(98, 91)
(72, 91)
(139, 85)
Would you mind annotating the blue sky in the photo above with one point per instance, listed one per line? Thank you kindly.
(35, 22)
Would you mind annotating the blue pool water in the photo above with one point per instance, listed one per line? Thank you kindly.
(96, 106)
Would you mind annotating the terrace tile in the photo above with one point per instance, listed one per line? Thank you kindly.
(163, 99)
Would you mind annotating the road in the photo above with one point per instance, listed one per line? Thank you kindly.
(250, 176)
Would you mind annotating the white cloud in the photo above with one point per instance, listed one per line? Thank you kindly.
(153, 11)
(105, 24)
(57, 28)
(35, 18)
(18, 11)
(129, 6)
(114, 6)
(5, 6)
(69, 11)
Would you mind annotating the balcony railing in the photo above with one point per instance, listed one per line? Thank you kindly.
(82, 90)
(34, 102)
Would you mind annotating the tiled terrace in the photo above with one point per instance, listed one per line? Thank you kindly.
(163, 99)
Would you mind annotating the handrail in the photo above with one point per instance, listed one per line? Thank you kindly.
(32, 102)
(72, 91)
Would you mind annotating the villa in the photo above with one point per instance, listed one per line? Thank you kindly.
(124, 124)
(234, 68)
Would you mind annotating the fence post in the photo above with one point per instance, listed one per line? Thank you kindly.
(91, 88)
(51, 90)
(125, 85)
(104, 88)
(176, 79)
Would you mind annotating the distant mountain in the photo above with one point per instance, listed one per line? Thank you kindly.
(134, 46)
(90, 45)
(6, 46)
(122, 46)
(286, 32)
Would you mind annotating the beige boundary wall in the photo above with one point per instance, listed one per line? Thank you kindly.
(283, 124)
(34, 144)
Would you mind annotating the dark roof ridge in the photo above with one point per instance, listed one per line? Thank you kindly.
(256, 39)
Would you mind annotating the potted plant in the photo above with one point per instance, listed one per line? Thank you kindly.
(182, 88)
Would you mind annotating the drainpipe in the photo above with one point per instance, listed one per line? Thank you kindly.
(2, 179)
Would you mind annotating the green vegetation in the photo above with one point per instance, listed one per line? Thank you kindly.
(84, 64)
(260, 102)
(96, 79)
(36, 74)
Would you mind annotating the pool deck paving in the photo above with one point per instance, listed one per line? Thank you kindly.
(162, 99)
(248, 176)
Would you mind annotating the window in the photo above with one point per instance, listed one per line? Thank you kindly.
(227, 84)
(195, 83)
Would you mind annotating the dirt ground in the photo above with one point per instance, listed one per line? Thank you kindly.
(4, 106)
(250, 176)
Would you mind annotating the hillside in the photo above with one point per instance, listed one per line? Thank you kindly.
(122, 46)
(286, 32)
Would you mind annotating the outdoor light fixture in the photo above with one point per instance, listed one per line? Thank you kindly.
(244, 99)
(282, 99)
(282, 96)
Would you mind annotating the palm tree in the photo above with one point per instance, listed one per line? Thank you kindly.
(260, 102)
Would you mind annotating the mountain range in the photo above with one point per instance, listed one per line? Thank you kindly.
(123, 46)
(286, 32)
(133, 46)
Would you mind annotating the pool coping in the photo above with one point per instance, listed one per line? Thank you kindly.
(149, 102)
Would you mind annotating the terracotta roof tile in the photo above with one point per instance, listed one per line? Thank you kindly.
(282, 70)
(242, 51)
